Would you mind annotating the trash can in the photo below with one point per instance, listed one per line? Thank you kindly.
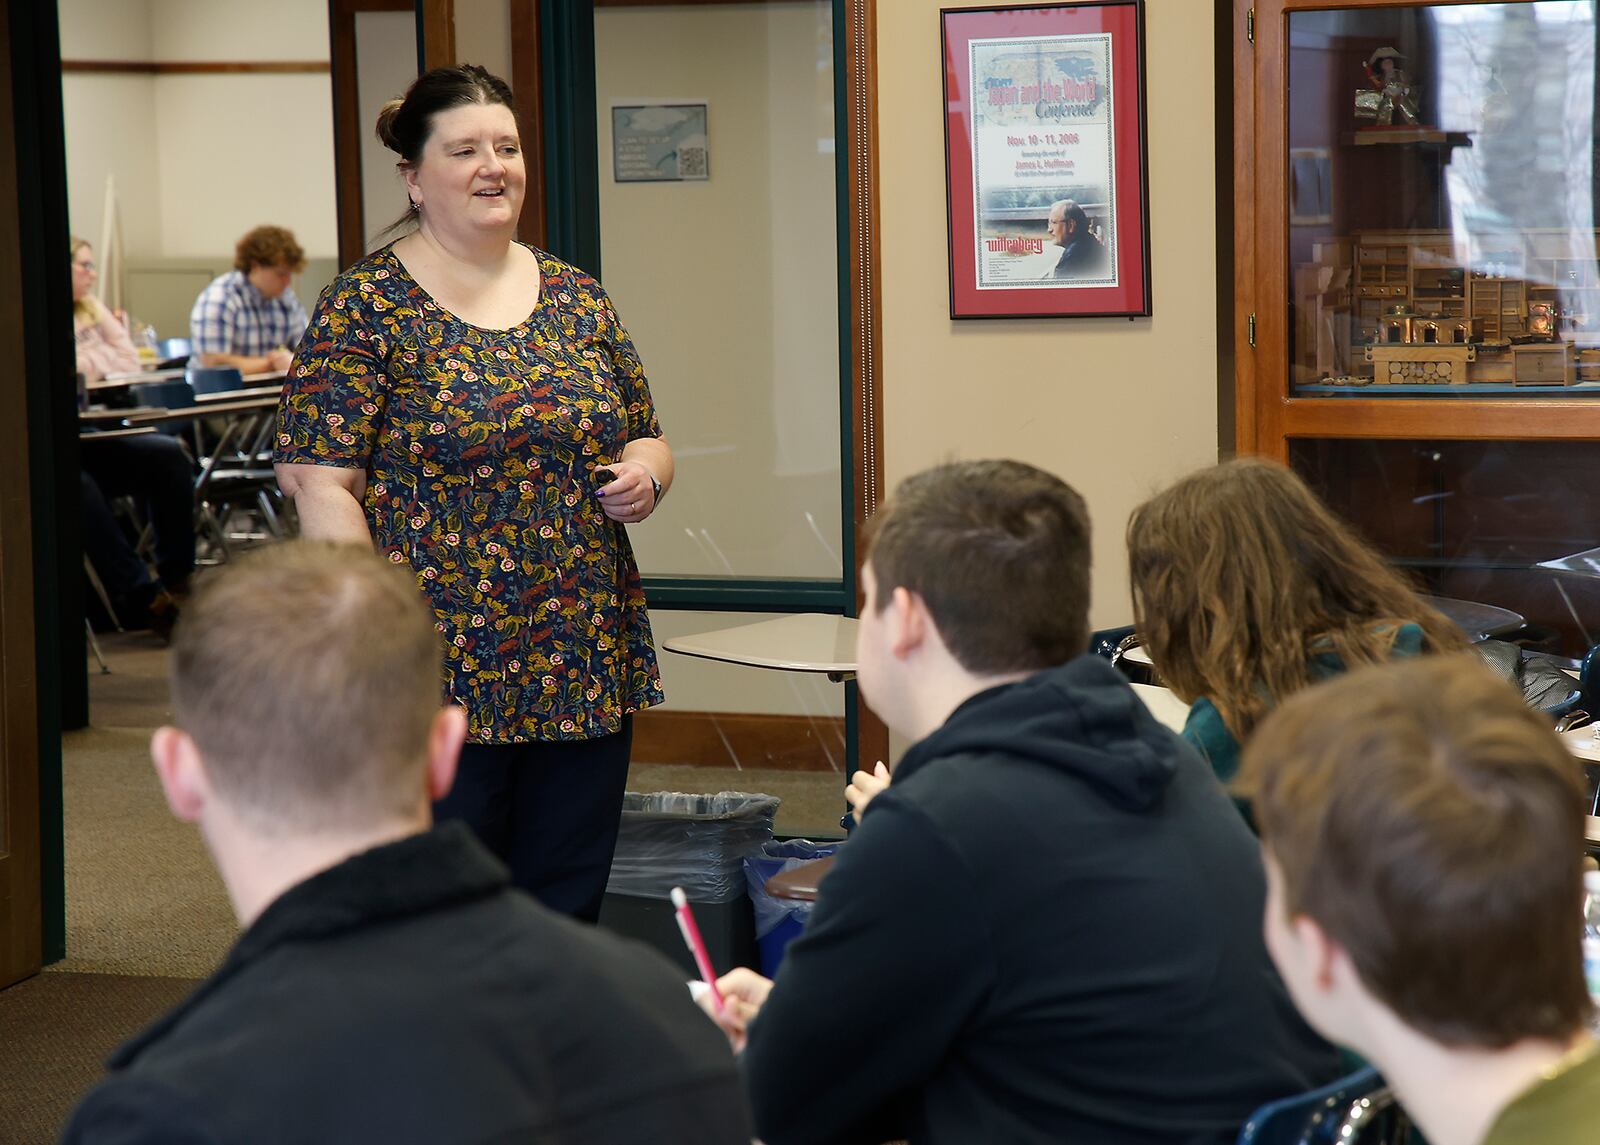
(697, 842)
(779, 921)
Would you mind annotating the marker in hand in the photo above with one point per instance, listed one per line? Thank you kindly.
(696, 945)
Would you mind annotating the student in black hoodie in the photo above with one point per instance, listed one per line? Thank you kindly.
(1048, 927)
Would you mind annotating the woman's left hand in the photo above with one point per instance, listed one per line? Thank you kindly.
(631, 497)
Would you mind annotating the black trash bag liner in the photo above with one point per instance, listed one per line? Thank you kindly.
(697, 842)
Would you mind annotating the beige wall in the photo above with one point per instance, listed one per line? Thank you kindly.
(483, 35)
(1117, 408)
(386, 64)
(199, 159)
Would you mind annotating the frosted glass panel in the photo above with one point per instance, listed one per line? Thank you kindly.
(724, 270)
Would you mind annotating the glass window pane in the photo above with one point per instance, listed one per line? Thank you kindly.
(723, 267)
(1473, 520)
(1442, 231)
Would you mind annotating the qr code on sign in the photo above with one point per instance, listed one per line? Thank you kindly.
(692, 163)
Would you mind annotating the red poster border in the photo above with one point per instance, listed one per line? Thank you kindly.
(1124, 19)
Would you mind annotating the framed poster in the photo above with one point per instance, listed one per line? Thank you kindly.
(1045, 162)
(659, 143)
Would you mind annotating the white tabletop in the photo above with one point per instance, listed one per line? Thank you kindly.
(267, 391)
(1138, 655)
(1166, 707)
(110, 434)
(1581, 742)
(805, 642)
(234, 404)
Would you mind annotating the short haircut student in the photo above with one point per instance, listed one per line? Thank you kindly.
(269, 246)
(999, 551)
(308, 675)
(1432, 825)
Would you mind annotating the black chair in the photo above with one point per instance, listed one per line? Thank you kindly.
(236, 474)
(168, 393)
(1114, 644)
(1355, 1110)
(215, 379)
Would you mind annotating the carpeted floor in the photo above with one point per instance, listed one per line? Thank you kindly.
(55, 1031)
(146, 912)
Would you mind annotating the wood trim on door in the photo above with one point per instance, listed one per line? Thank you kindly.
(527, 97)
(197, 67)
(437, 21)
(349, 211)
(861, 100)
(21, 915)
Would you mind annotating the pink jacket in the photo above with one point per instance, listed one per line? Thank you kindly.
(104, 347)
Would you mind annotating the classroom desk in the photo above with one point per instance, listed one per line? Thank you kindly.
(273, 391)
(109, 434)
(177, 373)
(1478, 621)
(123, 381)
(1163, 705)
(220, 408)
(1581, 742)
(805, 642)
(98, 415)
(799, 884)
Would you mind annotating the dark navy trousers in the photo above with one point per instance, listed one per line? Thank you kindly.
(549, 810)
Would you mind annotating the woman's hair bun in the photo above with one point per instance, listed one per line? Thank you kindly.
(387, 135)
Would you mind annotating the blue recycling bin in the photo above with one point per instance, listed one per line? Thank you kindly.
(779, 921)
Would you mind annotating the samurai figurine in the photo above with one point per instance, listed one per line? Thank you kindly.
(1392, 96)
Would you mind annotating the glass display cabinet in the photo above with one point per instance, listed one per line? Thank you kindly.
(1417, 287)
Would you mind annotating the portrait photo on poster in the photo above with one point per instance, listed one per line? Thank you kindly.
(1045, 161)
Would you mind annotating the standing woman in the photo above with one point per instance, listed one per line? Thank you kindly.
(474, 408)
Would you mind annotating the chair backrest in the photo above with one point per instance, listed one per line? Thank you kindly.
(172, 393)
(174, 348)
(1105, 641)
(215, 379)
(1358, 1109)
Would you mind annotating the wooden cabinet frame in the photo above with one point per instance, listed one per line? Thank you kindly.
(1266, 415)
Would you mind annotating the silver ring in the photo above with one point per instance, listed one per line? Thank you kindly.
(634, 507)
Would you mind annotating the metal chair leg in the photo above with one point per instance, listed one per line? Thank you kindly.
(94, 646)
(100, 591)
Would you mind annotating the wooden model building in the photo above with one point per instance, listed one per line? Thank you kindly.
(1414, 302)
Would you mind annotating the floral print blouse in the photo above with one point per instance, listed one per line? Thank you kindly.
(480, 448)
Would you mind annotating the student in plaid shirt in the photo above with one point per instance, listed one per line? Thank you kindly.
(250, 318)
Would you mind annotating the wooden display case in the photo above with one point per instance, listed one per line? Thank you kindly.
(1351, 274)
(1467, 482)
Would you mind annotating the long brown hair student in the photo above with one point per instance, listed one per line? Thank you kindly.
(1246, 589)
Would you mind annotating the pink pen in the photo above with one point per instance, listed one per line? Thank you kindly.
(696, 945)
